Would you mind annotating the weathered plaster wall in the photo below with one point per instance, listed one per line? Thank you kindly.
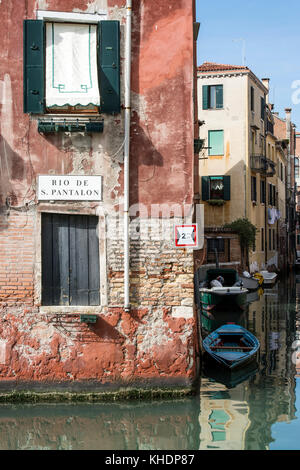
(155, 339)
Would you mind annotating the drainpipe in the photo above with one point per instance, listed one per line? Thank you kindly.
(126, 153)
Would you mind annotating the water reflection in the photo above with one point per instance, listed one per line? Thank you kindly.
(132, 426)
(249, 410)
(267, 395)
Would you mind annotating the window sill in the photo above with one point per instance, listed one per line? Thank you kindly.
(63, 309)
(216, 202)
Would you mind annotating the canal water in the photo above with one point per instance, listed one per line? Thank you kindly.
(257, 409)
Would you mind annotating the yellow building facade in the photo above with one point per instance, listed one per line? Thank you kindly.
(238, 164)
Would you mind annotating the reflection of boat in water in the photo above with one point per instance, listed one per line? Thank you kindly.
(231, 346)
(271, 291)
(210, 321)
(253, 296)
(230, 378)
(232, 294)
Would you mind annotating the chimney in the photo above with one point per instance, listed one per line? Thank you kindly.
(288, 112)
(266, 83)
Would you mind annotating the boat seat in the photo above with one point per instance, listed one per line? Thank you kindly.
(243, 348)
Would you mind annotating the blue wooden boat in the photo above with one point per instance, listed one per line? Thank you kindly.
(231, 346)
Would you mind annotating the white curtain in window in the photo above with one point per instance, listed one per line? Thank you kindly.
(71, 65)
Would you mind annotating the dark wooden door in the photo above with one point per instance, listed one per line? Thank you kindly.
(70, 260)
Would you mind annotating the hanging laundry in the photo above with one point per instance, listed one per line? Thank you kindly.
(271, 216)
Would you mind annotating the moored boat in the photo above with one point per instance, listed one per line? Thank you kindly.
(269, 278)
(249, 282)
(231, 346)
(231, 294)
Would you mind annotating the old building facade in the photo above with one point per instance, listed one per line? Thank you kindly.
(243, 163)
(78, 305)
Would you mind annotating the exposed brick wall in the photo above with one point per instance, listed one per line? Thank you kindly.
(17, 254)
(161, 275)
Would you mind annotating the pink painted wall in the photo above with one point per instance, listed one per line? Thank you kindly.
(34, 346)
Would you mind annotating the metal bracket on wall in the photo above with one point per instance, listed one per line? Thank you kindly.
(88, 318)
(50, 126)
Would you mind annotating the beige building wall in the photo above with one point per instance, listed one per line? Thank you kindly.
(232, 120)
(244, 132)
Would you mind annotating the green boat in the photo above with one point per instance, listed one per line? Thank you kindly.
(231, 295)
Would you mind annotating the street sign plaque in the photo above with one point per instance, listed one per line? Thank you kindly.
(186, 236)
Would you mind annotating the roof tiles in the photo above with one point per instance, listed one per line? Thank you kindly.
(213, 67)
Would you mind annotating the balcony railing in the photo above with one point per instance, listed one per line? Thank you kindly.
(263, 165)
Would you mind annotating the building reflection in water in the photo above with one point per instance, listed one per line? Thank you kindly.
(127, 426)
(240, 415)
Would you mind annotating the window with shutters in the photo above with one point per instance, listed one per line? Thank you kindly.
(212, 96)
(262, 108)
(216, 142)
(262, 240)
(262, 191)
(252, 98)
(253, 189)
(215, 187)
(71, 67)
(70, 260)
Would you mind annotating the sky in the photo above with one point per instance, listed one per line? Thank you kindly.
(264, 35)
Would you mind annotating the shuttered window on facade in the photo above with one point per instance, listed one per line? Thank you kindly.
(215, 187)
(253, 189)
(104, 60)
(262, 108)
(252, 98)
(262, 191)
(70, 260)
(216, 142)
(212, 96)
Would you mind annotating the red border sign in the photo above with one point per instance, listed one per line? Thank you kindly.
(180, 237)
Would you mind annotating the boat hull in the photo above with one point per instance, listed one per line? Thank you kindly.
(231, 378)
(223, 297)
(250, 283)
(269, 278)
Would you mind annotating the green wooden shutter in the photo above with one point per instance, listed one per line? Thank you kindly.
(226, 180)
(219, 96)
(33, 79)
(216, 142)
(262, 110)
(252, 98)
(109, 66)
(205, 188)
(205, 96)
